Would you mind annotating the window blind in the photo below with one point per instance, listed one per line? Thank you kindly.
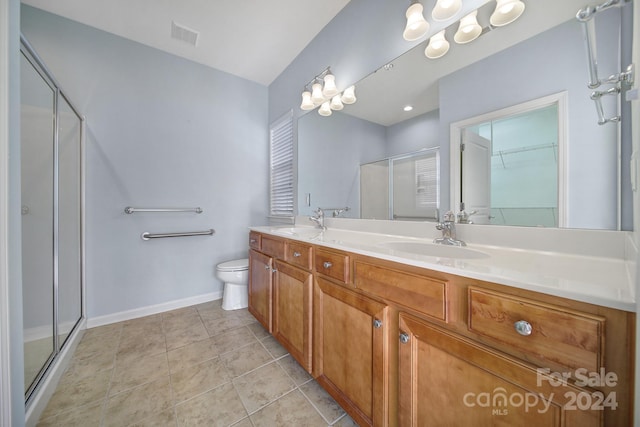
(281, 166)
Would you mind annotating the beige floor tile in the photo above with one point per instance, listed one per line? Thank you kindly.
(114, 328)
(320, 399)
(246, 359)
(273, 347)
(142, 345)
(97, 344)
(291, 410)
(246, 422)
(132, 373)
(73, 394)
(218, 407)
(345, 421)
(180, 312)
(85, 416)
(82, 368)
(258, 330)
(178, 323)
(197, 379)
(139, 403)
(245, 316)
(180, 337)
(233, 339)
(262, 386)
(223, 324)
(297, 373)
(192, 354)
(166, 418)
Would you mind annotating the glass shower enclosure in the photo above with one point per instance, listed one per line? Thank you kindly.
(52, 218)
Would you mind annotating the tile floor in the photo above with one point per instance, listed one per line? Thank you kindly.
(196, 366)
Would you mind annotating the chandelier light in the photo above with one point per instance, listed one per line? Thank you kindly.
(325, 94)
(506, 12)
(438, 46)
(446, 9)
(417, 26)
(468, 30)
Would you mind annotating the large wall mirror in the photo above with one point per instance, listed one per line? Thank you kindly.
(540, 55)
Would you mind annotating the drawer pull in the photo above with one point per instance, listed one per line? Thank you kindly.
(377, 323)
(296, 254)
(252, 240)
(327, 264)
(404, 338)
(523, 327)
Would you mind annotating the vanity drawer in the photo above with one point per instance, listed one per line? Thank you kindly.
(333, 264)
(423, 294)
(273, 247)
(549, 333)
(298, 254)
(254, 240)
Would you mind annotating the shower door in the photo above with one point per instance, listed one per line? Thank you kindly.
(51, 192)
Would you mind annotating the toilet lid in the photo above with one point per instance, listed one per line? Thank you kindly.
(234, 265)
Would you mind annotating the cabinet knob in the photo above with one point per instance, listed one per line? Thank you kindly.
(523, 327)
(404, 337)
(266, 267)
(377, 323)
(273, 270)
(296, 254)
(327, 264)
(252, 240)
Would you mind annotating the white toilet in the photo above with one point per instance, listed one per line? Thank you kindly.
(235, 275)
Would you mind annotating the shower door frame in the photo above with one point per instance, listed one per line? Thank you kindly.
(33, 392)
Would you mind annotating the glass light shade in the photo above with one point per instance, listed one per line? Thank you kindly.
(438, 46)
(325, 109)
(469, 29)
(446, 9)
(417, 26)
(307, 104)
(506, 12)
(336, 103)
(330, 88)
(349, 95)
(316, 94)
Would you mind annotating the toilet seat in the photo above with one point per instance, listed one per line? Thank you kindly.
(234, 265)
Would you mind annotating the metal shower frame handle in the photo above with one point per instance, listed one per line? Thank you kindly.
(586, 17)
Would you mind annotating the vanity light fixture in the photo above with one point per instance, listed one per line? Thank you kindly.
(469, 29)
(438, 46)
(417, 26)
(506, 12)
(446, 9)
(325, 94)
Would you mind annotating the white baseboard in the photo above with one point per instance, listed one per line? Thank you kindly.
(151, 309)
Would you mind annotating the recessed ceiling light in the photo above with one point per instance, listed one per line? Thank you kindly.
(408, 108)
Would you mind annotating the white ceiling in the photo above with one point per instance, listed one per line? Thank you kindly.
(252, 39)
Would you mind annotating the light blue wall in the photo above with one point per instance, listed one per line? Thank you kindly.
(414, 134)
(161, 132)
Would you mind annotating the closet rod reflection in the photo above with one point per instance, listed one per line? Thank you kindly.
(147, 236)
(131, 210)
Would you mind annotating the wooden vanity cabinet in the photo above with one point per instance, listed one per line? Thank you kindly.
(260, 287)
(351, 356)
(448, 380)
(280, 293)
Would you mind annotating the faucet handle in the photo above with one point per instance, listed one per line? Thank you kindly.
(449, 216)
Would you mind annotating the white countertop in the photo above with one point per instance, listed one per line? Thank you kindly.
(592, 279)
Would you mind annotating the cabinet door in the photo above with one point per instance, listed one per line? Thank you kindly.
(260, 287)
(351, 351)
(447, 380)
(292, 296)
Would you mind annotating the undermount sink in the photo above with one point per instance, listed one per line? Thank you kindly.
(432, 249)
(296, 231)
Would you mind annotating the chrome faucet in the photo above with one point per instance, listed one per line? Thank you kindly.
(318, 218)
(448, 228)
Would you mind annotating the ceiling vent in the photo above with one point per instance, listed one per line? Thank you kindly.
(187, 35)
